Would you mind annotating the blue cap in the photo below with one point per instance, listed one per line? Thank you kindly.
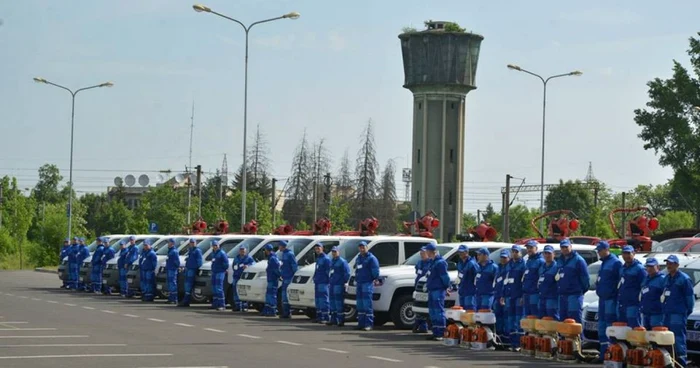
(430, 247)
(548, 249)
(463, 249)
(147, 242)
(82, 240)
(505, 253)
(318, 245)
(362, 244)
(75, 238)
(283, 243)
(132, 238)
(672, 258)
(192, 240)
(532, 243)
(602, 245)
(334, 249)
(516, 248)
(242, 247)
(422, 249)
(105, 239)
(628, 249)
(67, 240)
(651, 262)
(122, 242)
(268, 247)
(565, 243)
(483, 251)
(171, 240)
(215, 242)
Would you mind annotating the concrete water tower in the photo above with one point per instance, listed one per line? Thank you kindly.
(439, 68)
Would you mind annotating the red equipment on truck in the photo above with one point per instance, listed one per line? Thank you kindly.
(424, 226)
(367, 227)
(322, 226)
(483, 232)
(559, 228)
(639, 229)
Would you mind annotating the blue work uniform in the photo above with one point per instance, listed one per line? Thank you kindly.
(192, 264)
(366, 271)
(678, 301)
(273, 278)
(513, 295)
(321, 284)
(484, 282)
(437, 283)
(573, 282)
(288, 266)
(339, 276)
(547, 287)
(420, 325)
(466, 273)
(106, 256)
(64, 253)
(73, 266)
(83, 254)
(219, 266)
(131, 257)
(240, 263)
(651, 306)
(96, 262)
(499, 309)
(531, 295)
(630, 285)
(606, 289)
(121, 262)
(142, 257)
(172, 265)
(148, 275)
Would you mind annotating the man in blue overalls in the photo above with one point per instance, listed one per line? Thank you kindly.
(572, 282)
(192, 264)
(547, 285)
(288, 266)
(240, 263)
(73, 264)
(106, 256)
(273, 278)
(132, 255)
(678, 299)
(531, 296)
(339, 276)
(420, 325)
(466, 273)
(484, 280)
(83, 254)
(96, 263)
(499, 305)
(121, 262)
(148, 276)
(437, 283)
(219, 266)
(366, 271)
(652, 289)
(606, 289)
(64, 253)
(513, 296)
(321, 281)
(172, 265)
(632, 274)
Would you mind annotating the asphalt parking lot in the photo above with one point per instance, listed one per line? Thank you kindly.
(44, 326)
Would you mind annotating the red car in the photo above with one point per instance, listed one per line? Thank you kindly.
(678, 245)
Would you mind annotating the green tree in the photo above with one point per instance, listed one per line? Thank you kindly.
(520, 217)
(46, 189)
(340, 215)
(164, 205)
(468, 221)
(675, 220)
(257, 208)
(670, 125)
(570, 195)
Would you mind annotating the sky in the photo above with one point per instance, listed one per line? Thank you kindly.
(328, 73)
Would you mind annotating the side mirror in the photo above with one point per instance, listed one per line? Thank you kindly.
(451, 266)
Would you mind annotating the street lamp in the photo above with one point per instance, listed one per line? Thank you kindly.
(575, 73)
(293, 15)
(72, 120)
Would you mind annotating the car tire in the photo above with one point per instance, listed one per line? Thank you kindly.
(350, 313)
(401, 312)
(310, 312)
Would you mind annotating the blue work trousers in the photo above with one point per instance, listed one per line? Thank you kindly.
(148, 285)
(96, 278)
(607, 315)
(190, 275)
(322, 303)
(549, 307)
(652, 320)
(365, 310)
(570, 306)
(531, 305)
(123, 285)
(436, 311)
(513, 315)
(171, 280)
(676, 323)
(271, 298)
(629, 314)
(286, 310)
(337, 296)
(467, 302)
(484, 302)
(218, 300)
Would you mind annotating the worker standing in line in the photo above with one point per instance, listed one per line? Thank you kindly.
(172, 265)
(131, 257)
(219, 266)
(513, 296)
(83, 254)
(339, 276)
(678, 301)
(148, 269)
(437, 283)
(572, 282)
(106, 256)
(192, 264)
(121, 262)
(288, 267)
(420, 325)
(499, 304)
(484, 280)
(96, 263)
(274, 276)
(531, 296)
(142, 257)
(606, 287)
(73, 265)
(652, 289)
(547, 285)
(466, 273)
(321, 281)
(366, 272)
(240, 263)
(64, 253)
(632, 274)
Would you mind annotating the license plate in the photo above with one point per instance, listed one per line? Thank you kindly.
(693, 335)
(131, 281)
(421, 297)
(241, 291)
(352, 290)
(198, 291)
(294, 295)
(82, 279)
(591, 326)
(159, 287)
(104, 281)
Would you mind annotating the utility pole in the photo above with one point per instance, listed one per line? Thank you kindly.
(327, 194)
(1, 205)
(624, 214)
(506, 210)
(199, 188)
(478, 217)
(272, 201)
(189, 167)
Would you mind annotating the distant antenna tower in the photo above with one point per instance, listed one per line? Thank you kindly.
(224, 171)
(589, 175)
(406, 178)
(189, 167)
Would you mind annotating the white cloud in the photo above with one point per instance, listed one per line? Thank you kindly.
(609, 17)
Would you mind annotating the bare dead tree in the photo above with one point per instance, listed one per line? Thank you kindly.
(386, 211)
(299, 184)
(366, 172)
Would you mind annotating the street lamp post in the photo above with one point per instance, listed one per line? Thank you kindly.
(293, 15)
(544, 110)
(72, 120)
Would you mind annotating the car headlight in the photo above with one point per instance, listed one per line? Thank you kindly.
(205, 273)
(380, 281)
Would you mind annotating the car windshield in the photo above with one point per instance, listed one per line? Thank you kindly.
(671, 245)
(140, 242)
(693, 273)
(496, 256)
(227, 247)
(163, 250)
(114, 242)
(412, 260)
(297, 245)
(348, 247)
(205, 244)
(91, 248)
(248, 243)
(186, 248)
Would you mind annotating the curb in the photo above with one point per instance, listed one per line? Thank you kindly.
(45, 270)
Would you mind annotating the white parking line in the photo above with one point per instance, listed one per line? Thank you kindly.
(214, 330)
(156, 320)
(36, 299)
(27, 329)
(23, 297)
(58, 345)
(8, 294)
(89, 308)
(109, 311)
(52, 301)
(250, 336)
(184, 325)
(70, 305)
(45, 337)
(217, 366)
(81, 356)
(384, 359)
(333, 350)
(130, 315)
(13, 323)
(289, 343)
